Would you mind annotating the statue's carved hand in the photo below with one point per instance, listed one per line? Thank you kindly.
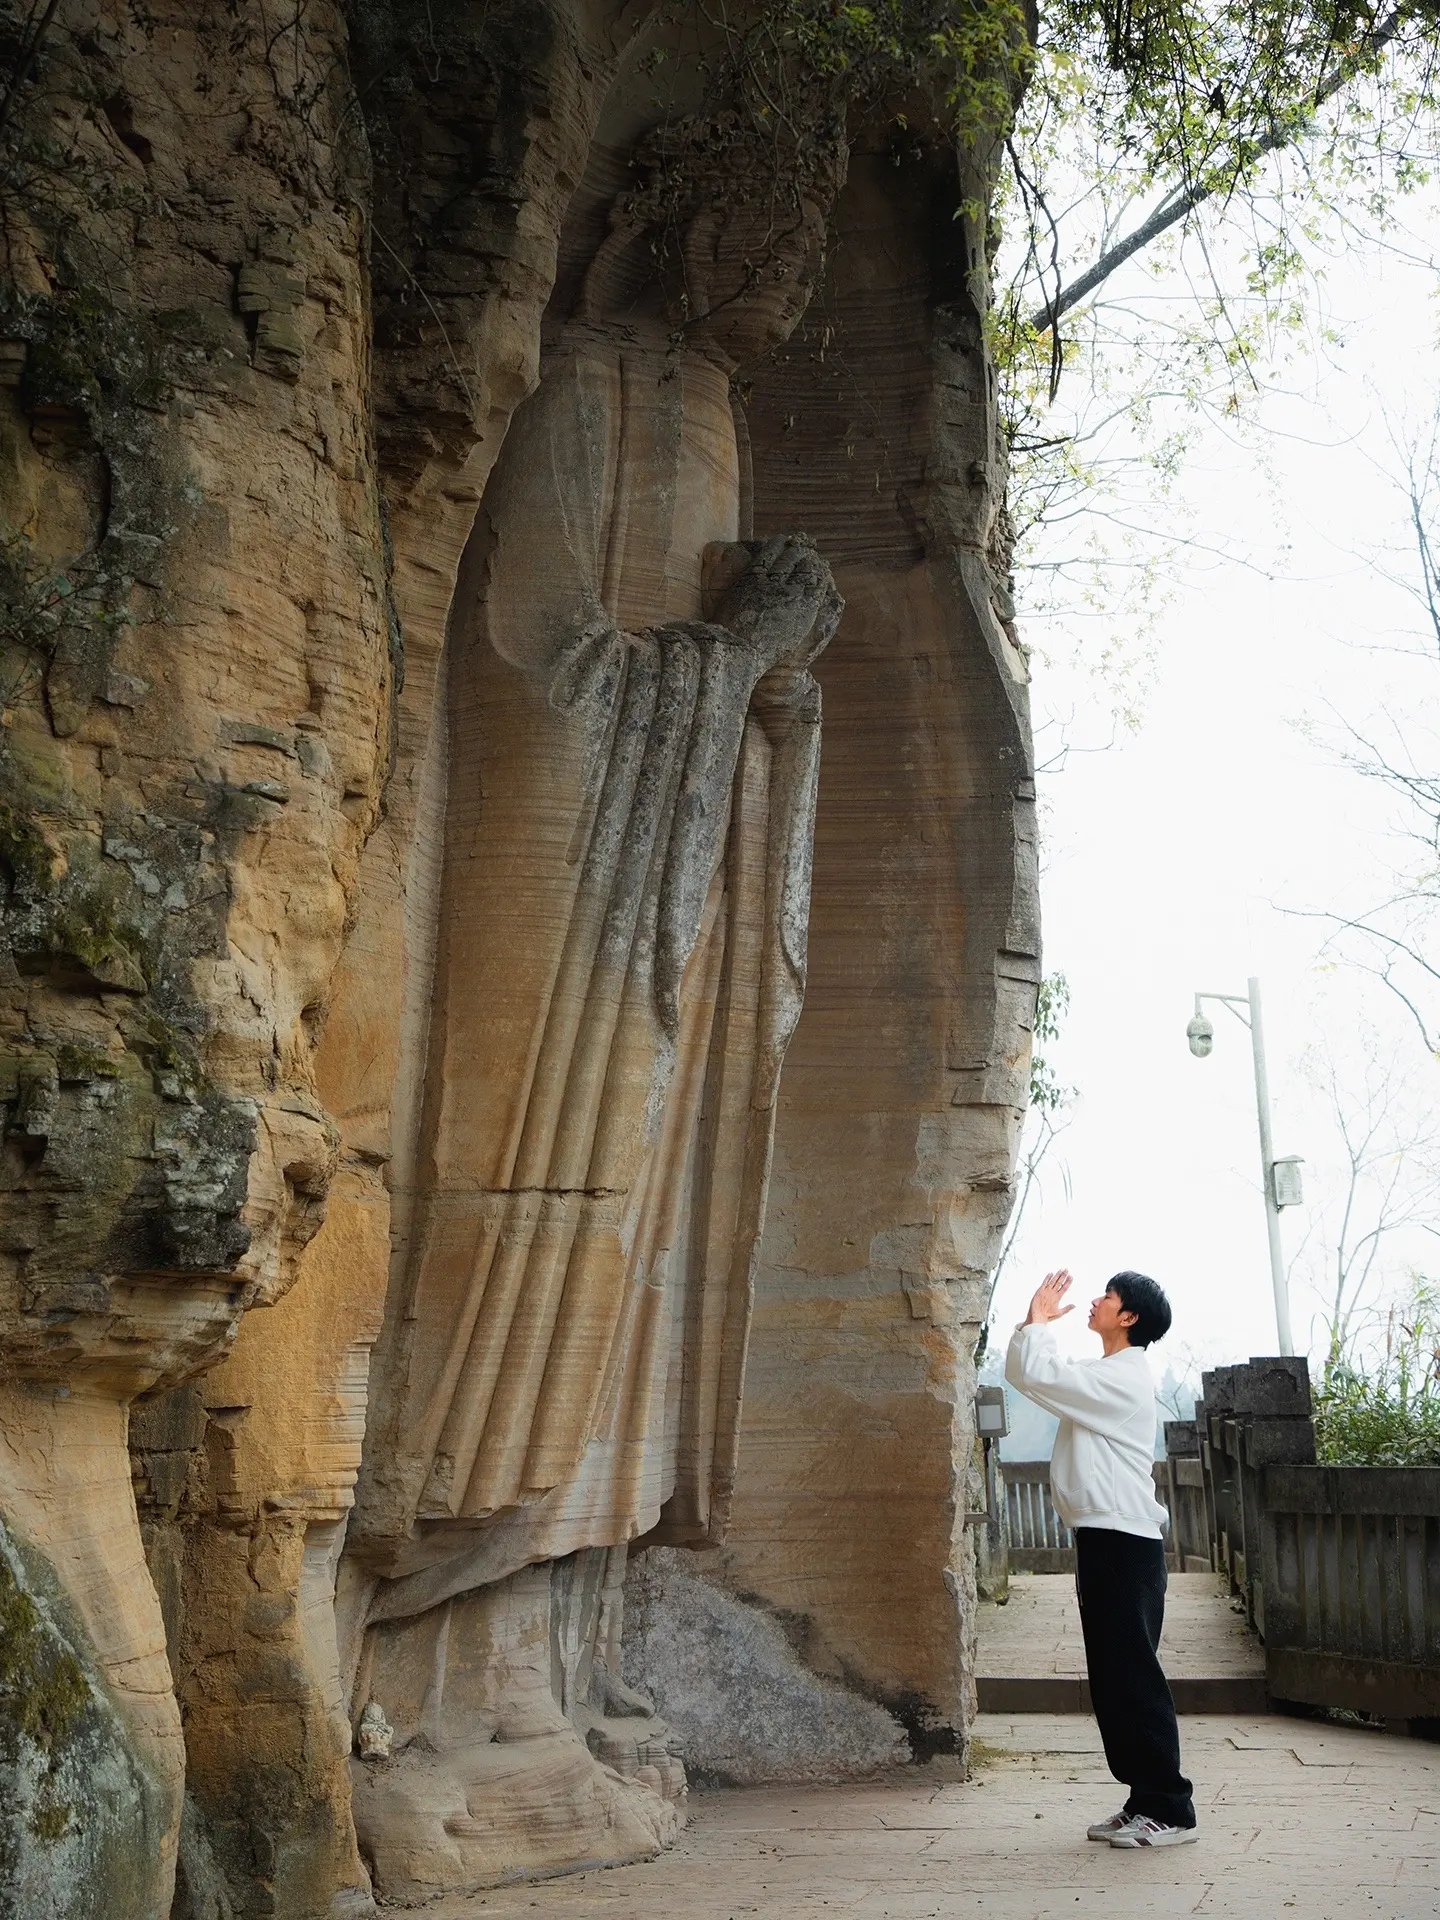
(785, 600)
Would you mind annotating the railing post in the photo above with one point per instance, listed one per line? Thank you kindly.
(1220, 1471)
(1258, 1415)
(992, 1534)
(1207, 1489)
(1188, 1541)
(1278, 1431)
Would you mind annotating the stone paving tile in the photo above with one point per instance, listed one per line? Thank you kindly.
(1037, 1632)
(1327, 1823)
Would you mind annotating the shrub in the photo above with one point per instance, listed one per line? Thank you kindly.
(1386, 1414)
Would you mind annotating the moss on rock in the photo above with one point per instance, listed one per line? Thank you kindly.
(78, 1814)
(42, 1694)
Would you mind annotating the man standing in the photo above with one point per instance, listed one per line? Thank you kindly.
(1102, 1488)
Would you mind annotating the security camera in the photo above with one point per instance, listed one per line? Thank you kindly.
(1201, 1035)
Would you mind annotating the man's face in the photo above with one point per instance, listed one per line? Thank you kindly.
(1107, 1316)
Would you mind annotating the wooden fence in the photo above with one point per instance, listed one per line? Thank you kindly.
(1038, 1541)
(1338, 1567)
(1180, 1483)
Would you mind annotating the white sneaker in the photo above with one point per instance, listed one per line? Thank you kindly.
(1142, 1831)
(1107, 1829)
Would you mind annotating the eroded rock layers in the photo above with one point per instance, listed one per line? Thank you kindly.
(519, 939)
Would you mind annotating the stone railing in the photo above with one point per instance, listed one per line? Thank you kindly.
(1338, 1567)
(1180, 1483)
(1036, 1539)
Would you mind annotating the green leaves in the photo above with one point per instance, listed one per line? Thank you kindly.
(972, 57)
(1202, 88)
(1180, 172)
(1052, 1003)
(1386, 1414)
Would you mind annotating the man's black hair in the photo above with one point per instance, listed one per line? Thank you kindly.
(1140, 1295)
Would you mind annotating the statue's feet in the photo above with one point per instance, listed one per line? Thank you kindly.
(611, 1695)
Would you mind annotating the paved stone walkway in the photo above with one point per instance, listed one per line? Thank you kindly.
(1330, 1823)
(1037, 1631)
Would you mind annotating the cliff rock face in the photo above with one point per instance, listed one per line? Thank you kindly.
(518, 940)
(904, 1087)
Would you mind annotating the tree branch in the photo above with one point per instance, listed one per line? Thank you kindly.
(30, 46)
(1183, 200)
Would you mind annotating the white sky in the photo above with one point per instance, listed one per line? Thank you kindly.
(1169, 857)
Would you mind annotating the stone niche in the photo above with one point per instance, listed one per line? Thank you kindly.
(520, 952)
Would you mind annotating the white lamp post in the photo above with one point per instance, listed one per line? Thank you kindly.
(1280, 1179)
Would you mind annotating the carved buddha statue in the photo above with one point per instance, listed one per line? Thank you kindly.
(631, 748)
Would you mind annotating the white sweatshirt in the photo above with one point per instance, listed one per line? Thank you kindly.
(1100, 1467)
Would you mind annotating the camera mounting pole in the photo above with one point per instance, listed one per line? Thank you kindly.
(1279, 1179)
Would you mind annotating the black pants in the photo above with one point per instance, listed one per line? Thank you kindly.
(1120, 1579)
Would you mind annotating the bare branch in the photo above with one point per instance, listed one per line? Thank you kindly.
(29, 47)
(1183, 200)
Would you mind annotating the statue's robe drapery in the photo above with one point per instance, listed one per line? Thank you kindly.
(621, 960)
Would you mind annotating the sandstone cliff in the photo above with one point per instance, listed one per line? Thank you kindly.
(519, 934)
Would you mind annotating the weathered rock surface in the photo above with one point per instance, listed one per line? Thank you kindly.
(733, 1679)
(897, 1120)
(82, 1814)
(433, 464)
